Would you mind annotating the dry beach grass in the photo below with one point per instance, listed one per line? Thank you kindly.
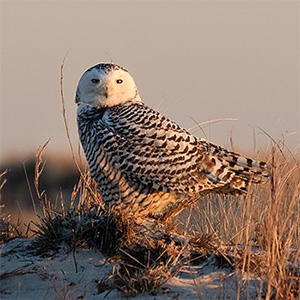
(260, 234)
(255, 236)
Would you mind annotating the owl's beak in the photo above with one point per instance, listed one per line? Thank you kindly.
(103, 90)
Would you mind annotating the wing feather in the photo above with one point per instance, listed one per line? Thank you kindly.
(153, 149)
(149, 149)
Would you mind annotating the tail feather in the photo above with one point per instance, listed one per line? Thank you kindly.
(231, 172)
(247, 168)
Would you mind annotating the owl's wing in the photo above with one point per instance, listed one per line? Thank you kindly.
(154, 150)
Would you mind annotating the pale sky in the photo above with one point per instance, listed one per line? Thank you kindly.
(193, 60)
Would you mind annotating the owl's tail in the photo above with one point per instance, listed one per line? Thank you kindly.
(231, 172)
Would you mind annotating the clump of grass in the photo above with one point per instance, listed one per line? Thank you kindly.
(8, 231)
(273, 225)
(78, 229)
(280, 230)
(202, 246)
(85, 224)
(144, 269)
(259, 234)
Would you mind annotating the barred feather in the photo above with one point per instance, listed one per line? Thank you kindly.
(146, 165)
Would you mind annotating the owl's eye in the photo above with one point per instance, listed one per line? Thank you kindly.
(119, 81)
(94, 80)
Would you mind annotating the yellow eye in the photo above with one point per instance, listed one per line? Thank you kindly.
(119, 81)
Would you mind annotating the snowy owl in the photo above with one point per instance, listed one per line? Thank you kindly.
(144, 164)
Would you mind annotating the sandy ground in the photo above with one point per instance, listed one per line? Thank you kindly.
(74, 275)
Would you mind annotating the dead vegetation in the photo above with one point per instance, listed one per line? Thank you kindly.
(8, 230)
(257, 235)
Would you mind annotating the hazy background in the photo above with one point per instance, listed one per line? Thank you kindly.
(198, 60)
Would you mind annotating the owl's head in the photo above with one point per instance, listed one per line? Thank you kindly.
(106, 85)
